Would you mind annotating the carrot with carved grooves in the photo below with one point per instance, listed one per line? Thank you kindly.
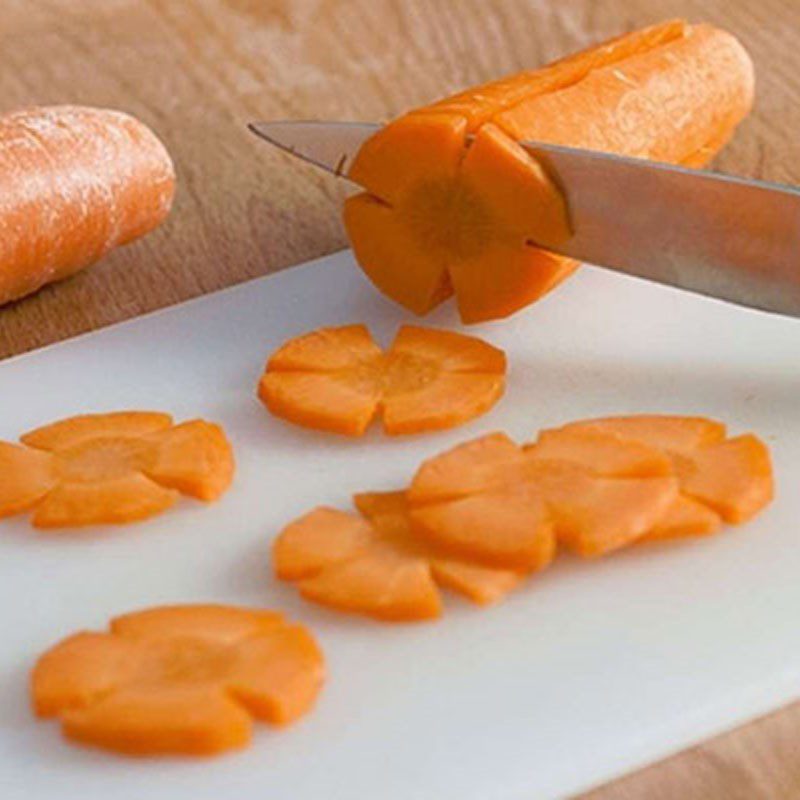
(453, 204)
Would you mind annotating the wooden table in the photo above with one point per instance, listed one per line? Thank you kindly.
(197, 70)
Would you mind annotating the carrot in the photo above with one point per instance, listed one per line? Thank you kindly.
(112, 468)
(74, 183)
(481, 517)
(598, 484)
(374, 565)
(444, 214)
(339, 380)
(179, 679)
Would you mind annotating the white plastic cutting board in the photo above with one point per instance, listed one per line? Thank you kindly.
(590, 670)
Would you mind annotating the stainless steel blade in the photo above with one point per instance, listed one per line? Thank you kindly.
(730, 238)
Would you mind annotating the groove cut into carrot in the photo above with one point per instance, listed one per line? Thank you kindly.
(75, 183)
(183, 680)
(112, 468)
(374, 565)
(596, 485)
(339, 380)
(453, 203)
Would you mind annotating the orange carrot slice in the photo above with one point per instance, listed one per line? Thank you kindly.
(452, 203)
(338, 380)
(112, 468)
(375, 565)
(179, 680)
(595, 485)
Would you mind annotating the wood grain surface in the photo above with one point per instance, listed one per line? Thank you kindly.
(198, 70)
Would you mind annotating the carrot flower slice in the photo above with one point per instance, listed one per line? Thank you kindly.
(339, 380)
(179, 679)
(374, 565)
(112, 468)
(597, 485)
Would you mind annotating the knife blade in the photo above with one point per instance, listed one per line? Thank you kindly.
(729, 238)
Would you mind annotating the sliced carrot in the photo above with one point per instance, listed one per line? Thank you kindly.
(375, 565)
(733, 477)
(186, 679)
(337, 379)
(112, 468)
(597, 484)
(27, 476)
(453, 203)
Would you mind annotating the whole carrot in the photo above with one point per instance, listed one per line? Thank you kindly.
(75, 182)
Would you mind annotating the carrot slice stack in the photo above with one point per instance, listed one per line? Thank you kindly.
(481, 517)
(373, 564)
(179, 679)
(339, 380)
(605, 484)
(112, 468)
(453, 204)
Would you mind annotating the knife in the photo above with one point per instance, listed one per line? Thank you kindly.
(725, 237)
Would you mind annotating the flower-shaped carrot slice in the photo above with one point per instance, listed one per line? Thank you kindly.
(112, 468)
(374, 565)
(602, 484)
(339, 380)
(179, 679)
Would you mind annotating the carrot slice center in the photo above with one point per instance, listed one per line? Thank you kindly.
(99, 459)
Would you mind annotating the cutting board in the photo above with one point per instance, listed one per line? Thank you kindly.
(588, 671)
